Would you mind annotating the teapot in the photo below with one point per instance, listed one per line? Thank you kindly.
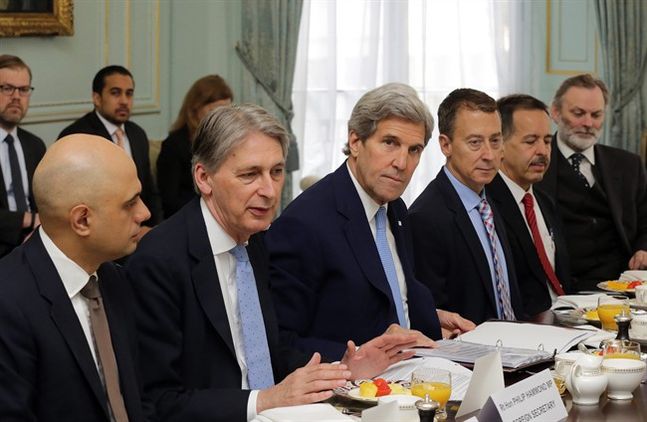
(586, 381)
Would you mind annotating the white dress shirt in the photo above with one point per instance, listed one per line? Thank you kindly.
(221, 243)
(370, 208)
(586, 165)
(6, 167)
(112, 128)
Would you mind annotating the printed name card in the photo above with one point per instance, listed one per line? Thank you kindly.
(535, 398)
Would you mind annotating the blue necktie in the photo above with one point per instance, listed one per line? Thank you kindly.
(257, 353)
(387, 263)
(503, 295)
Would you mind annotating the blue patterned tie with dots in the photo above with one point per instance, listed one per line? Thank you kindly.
(576, 160)
(257, 353)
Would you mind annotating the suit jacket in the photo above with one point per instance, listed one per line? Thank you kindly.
(449, 257)
(623, 180)
(48, 370)
(91, 124)
(530, 274)
(174, 177)
(189, 364)
(326, 275)
(11, 231)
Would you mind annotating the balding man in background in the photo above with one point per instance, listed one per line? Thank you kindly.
(66, 342)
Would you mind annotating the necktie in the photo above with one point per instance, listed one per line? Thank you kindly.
(576, 160)
(387, 263)
(531, 218)
(503, 295)
(16, 177)
(103, 343)
(257, 353)
(119, 135)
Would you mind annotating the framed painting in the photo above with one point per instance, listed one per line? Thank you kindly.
(36, 17)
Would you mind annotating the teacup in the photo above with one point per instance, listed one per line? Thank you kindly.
(638, 328)
(641, 294)
(624, 377)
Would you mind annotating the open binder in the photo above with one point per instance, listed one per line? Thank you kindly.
(520, 344)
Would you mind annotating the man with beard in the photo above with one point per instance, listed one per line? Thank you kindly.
(600, 191)
(534, 232)
(113, 90)
(20, 153)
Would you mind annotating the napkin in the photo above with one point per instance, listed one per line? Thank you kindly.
(577, 301)
(632, 275)
(384, 412)
(318, 412)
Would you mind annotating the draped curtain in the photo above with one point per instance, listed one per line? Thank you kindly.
(622, 26)
(267, 49)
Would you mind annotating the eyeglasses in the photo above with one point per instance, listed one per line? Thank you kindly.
(24, 91)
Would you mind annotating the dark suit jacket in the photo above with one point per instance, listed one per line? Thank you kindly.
(449, 257)
(623, 180)
(47, 366)
(326, 275)
(530, 274)
(189, 365)
(91, 124)
(11, 231)
(174, 177)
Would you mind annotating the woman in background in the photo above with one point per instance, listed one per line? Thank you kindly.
(174, 178)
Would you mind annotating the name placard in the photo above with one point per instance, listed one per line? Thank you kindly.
(535, 398)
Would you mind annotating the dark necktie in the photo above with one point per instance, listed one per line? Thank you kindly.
(103, 343)
(16, 177)
(503, 295)
(576, 160)
(531, 218)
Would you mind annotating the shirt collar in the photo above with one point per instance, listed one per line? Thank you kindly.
(74, 277)
(219, 240)
(567, 151)
(517, 191)
(369, 204)
(13, 133)
(469, 198)
(110, 127)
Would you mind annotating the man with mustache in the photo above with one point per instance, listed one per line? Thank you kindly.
(534, 231)
(600, 191)
(20, 153)
(460, 245)
(113, 90)
(340, 253)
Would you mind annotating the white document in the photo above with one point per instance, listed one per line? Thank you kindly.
(487, 379)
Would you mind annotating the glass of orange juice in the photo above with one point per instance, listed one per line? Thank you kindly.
(436, 383)
(608, 307)
(620, 349)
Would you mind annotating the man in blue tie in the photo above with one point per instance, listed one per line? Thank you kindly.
(20, 153)
(209, 339)
(461, 250)
(340, 253)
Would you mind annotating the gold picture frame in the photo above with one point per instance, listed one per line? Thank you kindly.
(58, 19)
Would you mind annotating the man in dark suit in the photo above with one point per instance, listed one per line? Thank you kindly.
(208, 333)
(600, 191)
(20, 152)
(329, 277)
(460, 247)
(113, 90)
(533, 229)
(67, 343)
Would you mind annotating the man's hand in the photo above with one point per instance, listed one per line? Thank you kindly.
(312, 383)
(638, 261)
(421, 339)
(452, 324)
(374, 356)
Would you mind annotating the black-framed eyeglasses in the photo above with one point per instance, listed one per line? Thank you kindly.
(24, 91)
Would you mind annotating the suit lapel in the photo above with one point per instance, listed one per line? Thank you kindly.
(611, 181)
(98, 126)
(62, 313)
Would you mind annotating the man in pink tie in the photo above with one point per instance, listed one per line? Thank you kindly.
(534, 231)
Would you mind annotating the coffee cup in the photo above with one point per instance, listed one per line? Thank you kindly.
(641, 294)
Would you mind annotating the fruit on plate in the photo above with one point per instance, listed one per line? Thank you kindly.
(367, 389)
(379, 387)
(617, 285)
(591, 315)
(634, 284)
(383, 388)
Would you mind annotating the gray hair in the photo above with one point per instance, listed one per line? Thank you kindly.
(390, 100)
(226, 127)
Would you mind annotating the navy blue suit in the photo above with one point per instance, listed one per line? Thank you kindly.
(449, 257)
(326, 275)
(46, 367)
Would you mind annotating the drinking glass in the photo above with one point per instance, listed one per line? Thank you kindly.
(436, 383)
(620, 349)
(609, 307)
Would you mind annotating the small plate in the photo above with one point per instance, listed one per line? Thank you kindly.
(351, 390)
(604, 285)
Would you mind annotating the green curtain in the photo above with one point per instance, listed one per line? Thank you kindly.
(268, 48)
(622, 26)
